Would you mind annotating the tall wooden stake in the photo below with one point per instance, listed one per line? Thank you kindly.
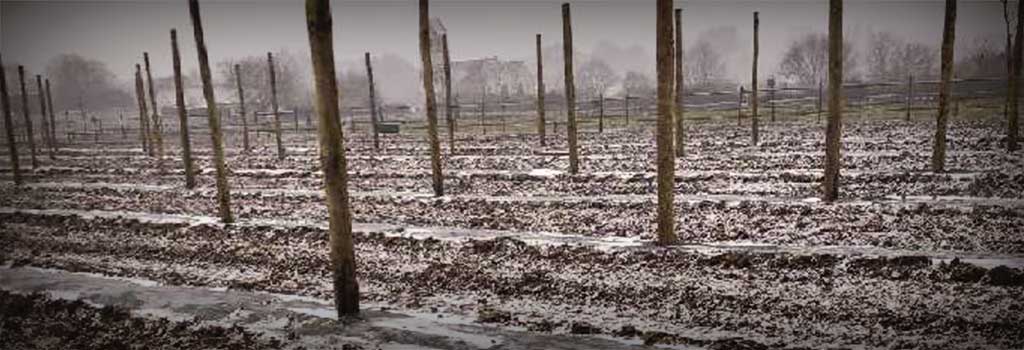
(213, 115)
(945, 88)
(157, 138)
(679, 131)
(448, 95)
(373, 103)
(140, 97)
(53, 120)
(570, 90)
(12, 143)
(1013, 109)
(540, 96)
(332, 157)
(241, 107)
(179, 101)
(663, 134)
(753, 87)
(910, 95)
(273, 105)
(29, 135)
(431, 102)
(600, 113)
(42, 113)
(833, 132)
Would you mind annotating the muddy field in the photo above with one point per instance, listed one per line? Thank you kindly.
(531, 257)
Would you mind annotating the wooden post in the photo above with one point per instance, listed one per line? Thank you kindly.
(157, 138)
(739, 107)
(241, 107)
(141, 100)
(625, 102)
(1013, 108)
(179, 101)
(753, 87)
(680, 134)
(540, 96)
(42, 113)
(663, 135)
(600, 113)
(945, 88)
(448, 95)
(53, 120)
(29, 135)
(213, 115)
(431, 102)
(833, 132)
(483, 107)
(12, 143)
(502, 116)
(373, 103)
(332, 159)
(273, 105)
(819, 100)
(570, 90)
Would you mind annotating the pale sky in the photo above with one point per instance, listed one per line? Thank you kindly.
(117, 32)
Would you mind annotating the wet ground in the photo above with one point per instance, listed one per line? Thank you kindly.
(522, 255)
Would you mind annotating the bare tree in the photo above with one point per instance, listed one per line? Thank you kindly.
(889, 57)
(833, 130)
(78, 80)
(663, 134)
(596, 77)
(540, 95)
(806, 60)
(179, 102)
(638, 84)
(213, 116)
(12, 144)
(570, 89)
(431, 102)
(703, 65)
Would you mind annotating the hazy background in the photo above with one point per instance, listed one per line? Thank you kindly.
(622, 32)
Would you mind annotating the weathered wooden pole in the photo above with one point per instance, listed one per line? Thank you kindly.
(179, 101)
(833, 130)
(820, 99)
(483, 107)
(739, 107)
(540, 96)
(53, 120)
(373, 103)
(679, 131)
(570, 90)
(431, 101)
(910, 95)
(332, 158)
(213, 116)
(448, 94)
(625, 107)
(753, 87)
(158, 137)
(29, 135)
(273, 105)
(663, 134)
(241, 107)
(945, 88)
(600, 113)
(1013, 109)
(42, 113)
(143, 123)
(12, 143)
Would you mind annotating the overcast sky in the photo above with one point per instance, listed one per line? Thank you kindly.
(117, 32)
